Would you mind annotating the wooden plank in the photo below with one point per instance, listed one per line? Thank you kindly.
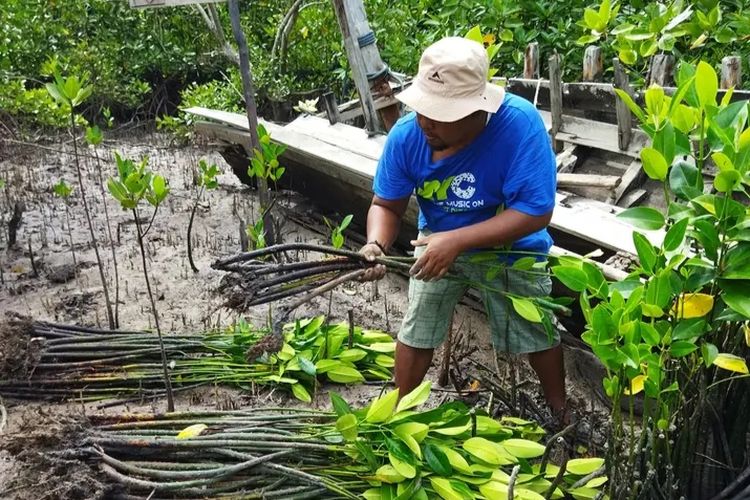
(632, 177)
(602, 181)
(731, 72)
(346, 137)
(555, 87)
(567, 159)
(624, 115)
(593, 64)
(596, 134)
(531, 61)
(633, 198)
(331, 107)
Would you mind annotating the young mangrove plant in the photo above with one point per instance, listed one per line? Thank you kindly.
(206, 180)
(134, 183)
(71, 92)
(675, 332)
(63, 190)
(388, 449)
(94, 138)
(87, 364)
(337, 231)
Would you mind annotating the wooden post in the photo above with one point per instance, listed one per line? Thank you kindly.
(556, 103)
(332, 108)
(593, 64)
(531, 61)
(624, 116)
(347, 11)
(661, 70)
(731, 72)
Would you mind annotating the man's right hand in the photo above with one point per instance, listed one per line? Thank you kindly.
(372, 251)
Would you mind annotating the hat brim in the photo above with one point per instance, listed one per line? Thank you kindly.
(451, 109)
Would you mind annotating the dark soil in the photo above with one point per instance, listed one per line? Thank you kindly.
(48, 462)
(19, 351)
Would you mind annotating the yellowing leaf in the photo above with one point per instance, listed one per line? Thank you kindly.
(405, 469)
(416, 397)
(192, 431)
(387, 474)
(636, 385)
(693, 305)
(488, 39)
(442, 487)
(383, 407)
(523, 448)
(731, 362)
(584, 466)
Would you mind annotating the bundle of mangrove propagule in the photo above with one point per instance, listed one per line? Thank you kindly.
(88, 364)
(388, 449)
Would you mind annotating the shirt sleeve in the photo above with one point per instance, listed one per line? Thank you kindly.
(392, 180)
(531, 182)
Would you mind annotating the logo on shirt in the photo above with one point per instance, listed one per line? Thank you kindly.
(461, 185)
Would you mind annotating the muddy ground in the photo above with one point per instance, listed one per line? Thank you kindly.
(40, 281)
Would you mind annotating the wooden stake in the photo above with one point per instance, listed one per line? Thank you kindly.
(357, 63)
(531, 61)
(624, 116)
(731, 72)
(555, 91)
(593, 64)
(332, 108)
(662, 70)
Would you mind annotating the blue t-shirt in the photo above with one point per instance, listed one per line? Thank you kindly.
(509, 165)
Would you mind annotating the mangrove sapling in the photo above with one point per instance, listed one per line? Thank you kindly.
(94, 138)
(70, 92)
(206, 180)
(134, 184)
(337, 232)
(64, 190)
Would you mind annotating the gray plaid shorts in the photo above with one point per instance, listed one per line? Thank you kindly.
(431, 305)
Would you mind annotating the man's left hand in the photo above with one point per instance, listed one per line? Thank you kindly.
(441, 250)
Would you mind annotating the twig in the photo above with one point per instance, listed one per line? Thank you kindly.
(597, 473)
(3, 415)
(552, 441)
(512, 481)
(557, 481)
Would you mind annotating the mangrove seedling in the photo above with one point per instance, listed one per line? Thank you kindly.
(206, 180)
(70, 92)
(257, 234)
(134, 184)
(94, 138)
(63, 190)
(266, 167)
(337, 232)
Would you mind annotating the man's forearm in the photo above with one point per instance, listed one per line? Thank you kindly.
(503, 229)
(382, 225)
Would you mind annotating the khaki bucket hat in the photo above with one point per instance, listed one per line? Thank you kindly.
(452, 82)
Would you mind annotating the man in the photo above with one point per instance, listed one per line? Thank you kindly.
(481, 163)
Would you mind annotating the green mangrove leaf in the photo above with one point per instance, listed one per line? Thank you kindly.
(416, 397)
(706, 84)
(709, 353)
(301, 393)
(325, 365)
(443, 487)
(384, 347)
(344, 375)
(437, 460)
(675, 235)
(526, 309)
(388, 474)
(584, 466)
(584, 493)
(575, 279)
(416, 430)
(382, 408)
(456, 460)
(385, 361)
(523, 448)
(646, 253)
(654, 164)
(681, 348)
(340, 406)
(347, 425)
(402, 467)
(351, 355)
(484, 450)
(689, 329)
(643, 218)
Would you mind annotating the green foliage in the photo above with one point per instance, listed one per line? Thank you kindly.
(337, 232)
(207, 178)
(449, 451)
(662, 330)
(687, 29)
(257, 234)
(135, 182)
(265, 161)
(314, 350)
(62, 189)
